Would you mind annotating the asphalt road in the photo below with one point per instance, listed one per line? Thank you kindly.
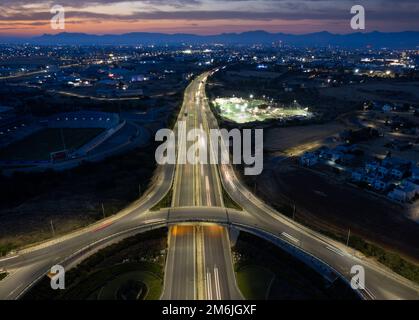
(27, 266)
(197, 185)
(379, 281)
(199, 264)
(180, 273)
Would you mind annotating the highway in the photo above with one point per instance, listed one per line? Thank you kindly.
(28, 265)
(199, 264)
(380, 282)
(199, 253)
(197, 200)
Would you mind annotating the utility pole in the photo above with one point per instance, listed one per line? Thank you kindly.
(347, 240)
(293, 212)
(52, 228)
(103, 211)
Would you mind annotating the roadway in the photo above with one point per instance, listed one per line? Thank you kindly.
(199, 256)
(199, 264)
(380, 282)
(28, 265)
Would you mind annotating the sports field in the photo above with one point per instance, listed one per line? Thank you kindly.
(40, 145)
(241, 110)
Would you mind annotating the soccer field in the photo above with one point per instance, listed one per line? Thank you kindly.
(241, 110)
(40, 145)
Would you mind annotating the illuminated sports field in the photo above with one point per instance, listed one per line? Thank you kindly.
(241, 110)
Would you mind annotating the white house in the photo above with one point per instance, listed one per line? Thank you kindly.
(415, 173)
(369, 179)
(387, 108)
(402, 194)
(397, 172)
(357, 176)
(371, 166)
(308, 159)
(381, 185)
(383, 171)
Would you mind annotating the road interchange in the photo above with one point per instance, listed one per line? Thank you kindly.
(197, 200)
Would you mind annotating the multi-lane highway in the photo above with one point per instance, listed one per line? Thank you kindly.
(199, 264)
(197, 198)
(199, 253)
(380, 283)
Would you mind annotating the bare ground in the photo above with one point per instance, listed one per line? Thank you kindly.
(335, 207)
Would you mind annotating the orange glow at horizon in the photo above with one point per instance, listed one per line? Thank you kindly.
(204, 27)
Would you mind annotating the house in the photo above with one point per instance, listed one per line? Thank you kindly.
(411, 183)
(381, 184)
(347, 159)
(415, 173)
(402, 194)
(371, 166)
(308, 159)
(357, 176)
(400, 171)
(383, 170)
(397, 173)
(336, 155)
(387, 108)
(390, 161)
(370, 179)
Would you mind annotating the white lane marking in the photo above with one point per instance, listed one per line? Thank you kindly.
(17, 288)
(194, 262)
(207, 186)
(370, 293)
(289, 237)
(209, 286)
(217, 284)
(9, 258)
(335, 250)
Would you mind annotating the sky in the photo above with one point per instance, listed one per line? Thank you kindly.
(28, 17)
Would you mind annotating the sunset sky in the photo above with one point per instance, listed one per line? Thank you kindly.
(26, 17)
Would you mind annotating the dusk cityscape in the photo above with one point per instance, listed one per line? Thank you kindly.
(209, 154)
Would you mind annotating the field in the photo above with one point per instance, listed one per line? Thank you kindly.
(71, 199)
(265, 272)
(40, 145)
(295, 140)
(387, 90)
(330, 205)
(135, 285)
(3, 275)
(132, 269)
(254, 282)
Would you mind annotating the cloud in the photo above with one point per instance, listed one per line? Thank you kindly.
(384, 11)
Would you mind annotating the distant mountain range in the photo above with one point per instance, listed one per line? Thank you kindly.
(404, 40)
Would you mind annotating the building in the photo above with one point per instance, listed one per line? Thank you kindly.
(357, 176)
(309, 159)
(403, 194)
